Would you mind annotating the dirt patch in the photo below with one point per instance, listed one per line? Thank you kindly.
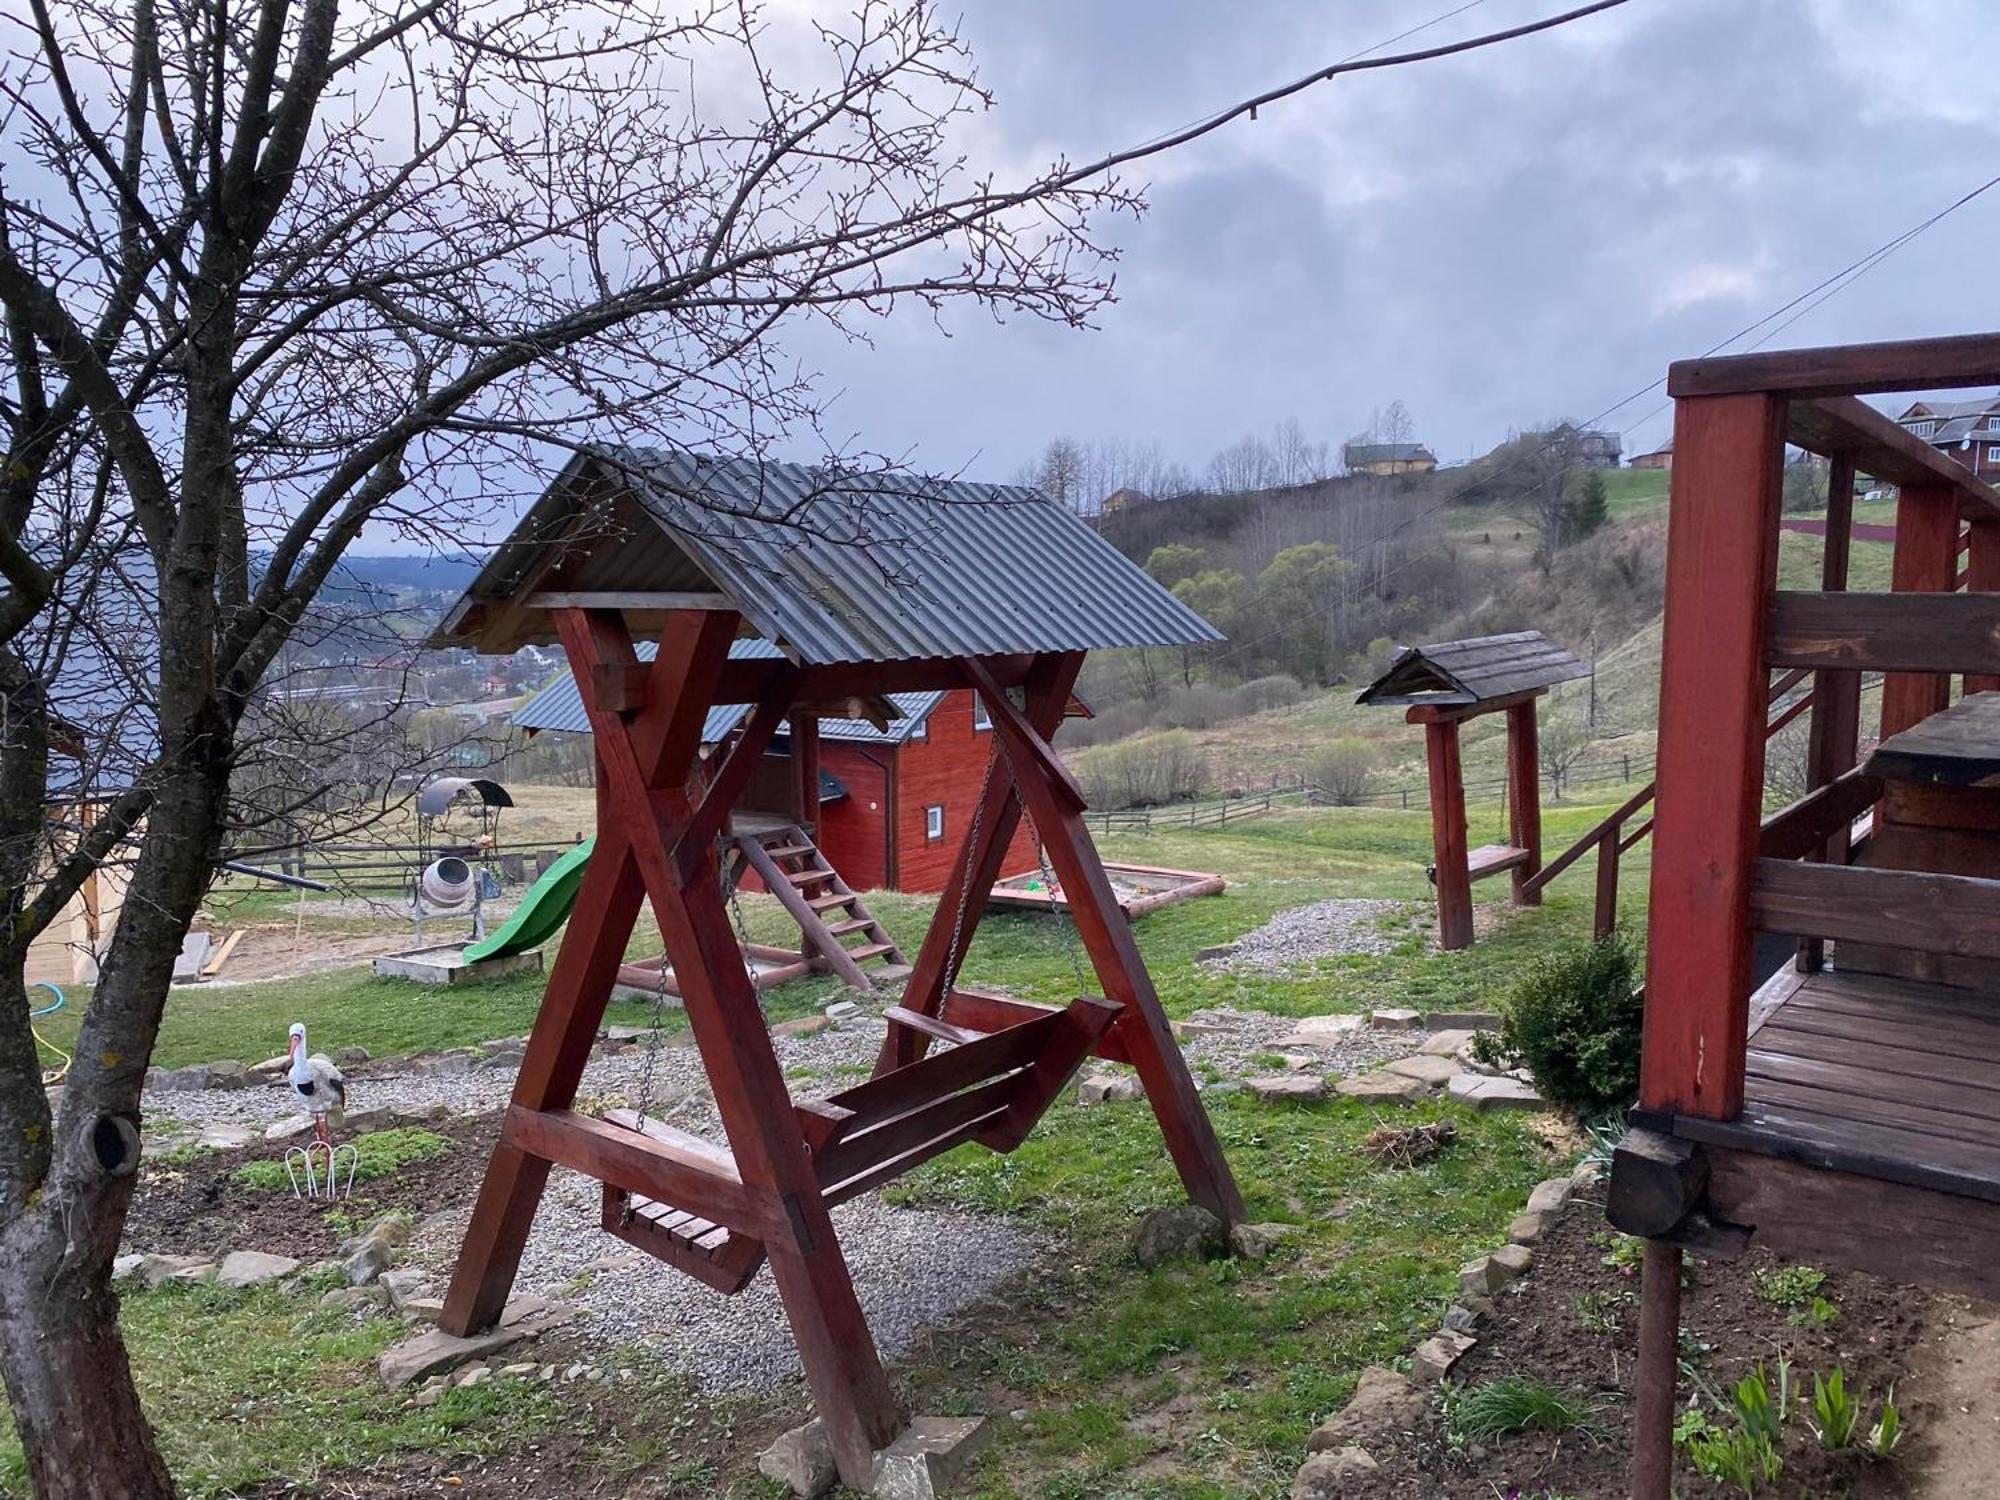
(196, 1207)
(1955, 1400)
(1574, 1323)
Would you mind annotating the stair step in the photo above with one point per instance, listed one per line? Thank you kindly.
(789, 851)
(856, 924)
(872, 950)
(827, 903)
(809, 877)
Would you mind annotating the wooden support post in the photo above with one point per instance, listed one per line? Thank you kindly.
(1454, 879)
(1604, 917)
(805, 767)
(1982, 568)
(1114, 954)
(1721, 563)
(1835, 734)
(1524, 799)
(1659, 1361)
(1926, 562)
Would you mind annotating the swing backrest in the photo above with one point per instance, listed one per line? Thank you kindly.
(990, 1087)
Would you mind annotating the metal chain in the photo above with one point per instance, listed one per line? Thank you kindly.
(972, 853)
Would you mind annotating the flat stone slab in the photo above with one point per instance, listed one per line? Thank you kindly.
(801, 1460)
(1383, 1402)
(929, 1456)
(434, 1352)
(1446, 1043)
(1431, 1072)
(1396, 1019)
(155, 1270)
(1551, 1197)
(1482, 1092)
(445, 964)
(253, 1268)
(1383, 1087)
(225, 1137)
(1434, 1357)
(1464, 1020)
(1295, 1088)
(1319, 1031)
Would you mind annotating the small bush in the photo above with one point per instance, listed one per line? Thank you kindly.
(1574, 1023)
(1515, 1403)
(1344, 770)
(381, 1152)
(1276, 691)
(1202, 706)
(1144, 771)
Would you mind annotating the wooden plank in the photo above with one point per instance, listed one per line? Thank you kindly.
(983, 1010)
(1610, 823)
(1912, 1235)
(1886, 632)
(1958, 747)
(1524, 799)
(1982, 575)
(727, 784)
(1837, 1143)
(850, 1155)
(221, 955)
(1804, 827)
(1833, 736)
(1926, 562)
(1837, 1090)
(683, 1169)
(654, 600)
(1454, 876)
(1022, 737)
(748, 680)
(931, 1026)
(940, 1073)
(1842, 369)
(1950, 914)
(1714, 691)
(1458, 713)
(1864, 1049)
(1851, 431)
(1604, 904)
(806, 913)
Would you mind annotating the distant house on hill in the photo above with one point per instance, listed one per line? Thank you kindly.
(1124, 499)
(1383, 459)
(1661, 457)
(1597, 450)
(1967, 430)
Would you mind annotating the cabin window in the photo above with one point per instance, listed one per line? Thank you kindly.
(981, 719)
(1993, 453)
(1993, 424)
(934, 821)
(1923, 429)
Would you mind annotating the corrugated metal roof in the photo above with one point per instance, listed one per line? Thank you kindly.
(1377, 453)
(837, 567)
(558, 707)
(1473, 671)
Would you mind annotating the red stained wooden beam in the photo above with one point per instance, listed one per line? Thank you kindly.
(1454, 876)
(1926, 562)
(1843, 369)
(1714, 688)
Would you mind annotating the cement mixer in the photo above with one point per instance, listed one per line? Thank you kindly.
(449, 883)
(449, 887)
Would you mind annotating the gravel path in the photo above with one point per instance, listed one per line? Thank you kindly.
(1325, 929)
(913, 1268)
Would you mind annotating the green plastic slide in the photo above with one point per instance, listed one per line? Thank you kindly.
(542, 910)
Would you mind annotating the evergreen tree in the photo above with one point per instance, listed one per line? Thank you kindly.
(1588, 506)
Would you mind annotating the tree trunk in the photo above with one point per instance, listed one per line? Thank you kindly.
(61, 1354)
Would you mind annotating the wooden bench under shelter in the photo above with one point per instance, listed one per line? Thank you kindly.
(867, 585)
(1442, 686)
(1847, 1110)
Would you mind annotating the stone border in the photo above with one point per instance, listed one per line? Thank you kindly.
(1385, 1399)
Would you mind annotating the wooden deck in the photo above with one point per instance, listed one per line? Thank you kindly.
(1872, 1076)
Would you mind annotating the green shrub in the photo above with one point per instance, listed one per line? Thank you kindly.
(381, 1152)
(1344, 769)
(1574, 1023)
(1515, 1403)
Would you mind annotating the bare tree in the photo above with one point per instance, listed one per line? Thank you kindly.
(245, 323)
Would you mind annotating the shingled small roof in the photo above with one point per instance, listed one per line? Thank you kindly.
(1465, 673)
(828, 566)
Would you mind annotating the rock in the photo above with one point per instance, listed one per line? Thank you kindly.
(1588, 1174)
(253, 1268)
(1527, 1229)
(288, 1129)
(1383, 1402)
(1320, 1031)
(126, 1265)
(1180, 1231)
(928, 1457)
(229, 1074)
(1517, 1260)
(801, 1460)
(501, 1060)
(1432, 1360)
(350, 1057)
(183, 1080)
(1214, 951)
(1326, 1476)
(390, 1229)
(155, 1270)
(1464, 1020)
(841, 1010)
(1188, 1030)
(1550, 1197)
(803, 1026)
(1486, 1275)
(445, 1065)
(504, 1044)
(1461, 1319)
(1382, 1087)
(617, 1261)
(1431, 1072)
(364, 1121)
(1258, 1241)
(430, 1114)
(403, 1285)
(1102, 1088)
(366, 1264)
(1445, 1043)
(271, 1067)
(225, 1137)
(435, 1352)
(1482, 1092)
(1296, 1088)
(472, 1375)
(523, 1371)
(355, 1299)
(428, 1396)
(1395, 1019)
(428, 1309)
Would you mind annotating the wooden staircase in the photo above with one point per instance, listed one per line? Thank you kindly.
(828, 911)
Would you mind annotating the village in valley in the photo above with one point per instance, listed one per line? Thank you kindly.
(718, 781)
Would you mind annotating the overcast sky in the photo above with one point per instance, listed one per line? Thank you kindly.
(1526, 231)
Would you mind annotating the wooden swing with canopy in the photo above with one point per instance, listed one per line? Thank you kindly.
(868, 585)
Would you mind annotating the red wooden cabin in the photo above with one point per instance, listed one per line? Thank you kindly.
(1846, 1110)
(866, 586)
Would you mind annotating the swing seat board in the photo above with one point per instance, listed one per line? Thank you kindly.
(1491, 859)
(723, 1258)
(987, 1010)
(639, 1156)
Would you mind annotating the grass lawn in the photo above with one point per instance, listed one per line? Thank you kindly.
(1195, 1383)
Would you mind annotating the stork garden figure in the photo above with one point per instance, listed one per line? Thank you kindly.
(321, 1091)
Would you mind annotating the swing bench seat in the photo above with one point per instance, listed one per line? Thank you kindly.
(1491, 859)
(987, 1086)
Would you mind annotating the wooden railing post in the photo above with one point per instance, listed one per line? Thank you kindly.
(1926, 562)
(1982, 576)
(1714, 690)
(1605, 921)
(1836, 696)
(1448, 843)
(1524, 806)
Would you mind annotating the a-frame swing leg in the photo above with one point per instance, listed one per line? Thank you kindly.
(1056, 806)
(684, 888)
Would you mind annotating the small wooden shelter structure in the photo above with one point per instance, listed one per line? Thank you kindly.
(865, 585)
(1442, 686)
(1847, 1111)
